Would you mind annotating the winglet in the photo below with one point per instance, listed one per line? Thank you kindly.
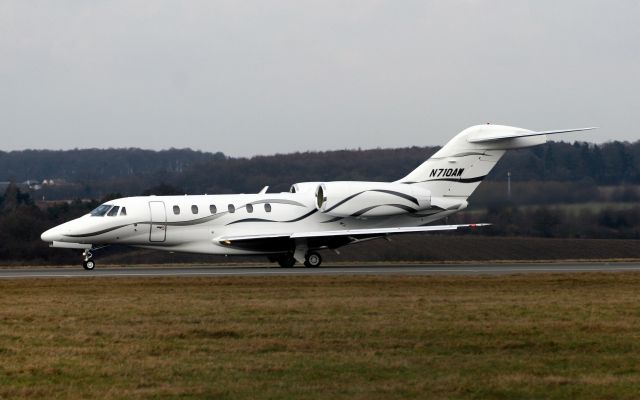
(264, 190)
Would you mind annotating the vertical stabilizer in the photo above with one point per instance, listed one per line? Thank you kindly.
(463, 163)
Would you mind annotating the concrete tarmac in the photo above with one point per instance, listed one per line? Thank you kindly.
(270, 270)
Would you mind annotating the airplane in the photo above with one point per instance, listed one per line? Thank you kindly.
(291, 227)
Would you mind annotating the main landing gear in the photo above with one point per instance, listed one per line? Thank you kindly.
(286, 260)
(311, 260)
(88, 262)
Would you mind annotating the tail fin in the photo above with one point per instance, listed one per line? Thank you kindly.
(459, 167)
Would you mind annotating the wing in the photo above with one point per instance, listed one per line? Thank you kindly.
(330, 238)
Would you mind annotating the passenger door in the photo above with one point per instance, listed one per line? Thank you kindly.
(158, 218)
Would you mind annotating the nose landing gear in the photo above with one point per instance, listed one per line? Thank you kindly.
(87, 255)
(88, 262)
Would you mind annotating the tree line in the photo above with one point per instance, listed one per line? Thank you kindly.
(93, 173)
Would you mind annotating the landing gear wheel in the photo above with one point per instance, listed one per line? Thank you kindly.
(312, 260)
(286, 261)
(88, 262)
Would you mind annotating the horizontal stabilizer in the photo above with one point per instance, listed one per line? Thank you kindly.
(350, 232)
(492, 136)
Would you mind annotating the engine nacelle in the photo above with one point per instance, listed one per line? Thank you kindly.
(370, 199)
(304, 187)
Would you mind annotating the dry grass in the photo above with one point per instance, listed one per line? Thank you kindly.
(530, 336)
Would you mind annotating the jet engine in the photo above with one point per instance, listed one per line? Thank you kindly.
(370, 199)
(304, 187)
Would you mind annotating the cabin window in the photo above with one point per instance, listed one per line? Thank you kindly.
(176, 210)
(213, 209)
(267, 207)
(101, 210)
(231, 208)
(123, 212)
(249, 208)
(194, 209)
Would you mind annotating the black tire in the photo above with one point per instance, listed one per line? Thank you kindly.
(312, 260)
(89, 265)
(286, 261)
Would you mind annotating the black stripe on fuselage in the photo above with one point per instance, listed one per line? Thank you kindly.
(391, 192)
(399, 194)
(459, 180)
(332, 220)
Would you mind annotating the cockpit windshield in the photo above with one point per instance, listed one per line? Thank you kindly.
(101, 210)
(113, 212)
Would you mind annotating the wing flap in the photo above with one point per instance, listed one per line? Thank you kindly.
(349, 232)
(383, 231)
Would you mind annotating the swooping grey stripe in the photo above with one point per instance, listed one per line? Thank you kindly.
(401, 206)
(178, 223)
(97, 232)
(300, 218)
(278, 201)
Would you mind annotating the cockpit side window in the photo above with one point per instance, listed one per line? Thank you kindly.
(101, 210)
(123, 212)
(114, 211)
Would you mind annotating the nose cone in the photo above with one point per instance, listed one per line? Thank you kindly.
(52, 235)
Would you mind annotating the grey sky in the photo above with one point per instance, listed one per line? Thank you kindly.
(260, 77)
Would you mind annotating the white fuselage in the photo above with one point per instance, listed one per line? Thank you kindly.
(202, 220)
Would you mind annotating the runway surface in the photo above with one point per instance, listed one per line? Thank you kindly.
(373, 269)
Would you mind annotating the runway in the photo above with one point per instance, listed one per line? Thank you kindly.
(370, 269)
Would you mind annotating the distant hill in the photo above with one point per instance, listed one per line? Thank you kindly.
(82, 165)
(94, 173)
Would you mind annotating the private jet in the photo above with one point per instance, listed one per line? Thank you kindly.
(292, 227)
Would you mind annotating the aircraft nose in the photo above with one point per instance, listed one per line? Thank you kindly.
(51, 235)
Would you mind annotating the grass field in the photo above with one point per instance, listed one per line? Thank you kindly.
(501, 337)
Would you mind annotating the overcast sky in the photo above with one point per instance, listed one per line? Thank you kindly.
(264, 77)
